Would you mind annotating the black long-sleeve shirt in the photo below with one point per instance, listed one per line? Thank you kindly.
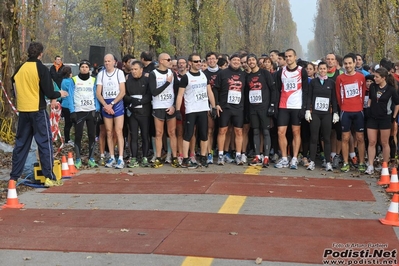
(138, 86)
(318, 93)
(261, 80)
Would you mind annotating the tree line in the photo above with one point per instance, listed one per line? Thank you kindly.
(370, 28)
(68, 28)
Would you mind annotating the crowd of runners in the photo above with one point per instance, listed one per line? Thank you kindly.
(242, 109)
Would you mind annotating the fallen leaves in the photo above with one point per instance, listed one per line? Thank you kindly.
(258, 261)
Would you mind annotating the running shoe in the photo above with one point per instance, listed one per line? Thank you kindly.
(345, 167)
(294, 164)
(282, 163)
(355, 161)
(265, 163)
(221, 160)
(324, 163)
(336, 161)
(370, 170)
(362, 167)
(239, 160)
(193, 159)
(153, 159)
(275, 158)
(204, 161)
(311, 166)
(120, 164)
(243, 158)
(329, 167)
(305, 162)
(133, 163)
(157, 163)
(92, 163)
(49, 183)
(255, 161)
(175, 163)
(227, 158)
(110, 163)
(168, 158)
(187, 163)
(78, 163)
(210, 158)
(144, 162)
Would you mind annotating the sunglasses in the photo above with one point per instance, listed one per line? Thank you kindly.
(168, 59)
(196, 61)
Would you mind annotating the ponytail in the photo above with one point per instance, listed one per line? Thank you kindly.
(392, 81)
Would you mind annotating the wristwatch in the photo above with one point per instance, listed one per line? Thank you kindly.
(112, 103)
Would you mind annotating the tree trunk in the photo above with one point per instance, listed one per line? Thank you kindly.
(9, 57)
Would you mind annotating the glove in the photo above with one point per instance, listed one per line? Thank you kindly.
(214, 113)
(308, 116)
(178, 115)
(97, 117)
(73, 118)
(135, 102)
(271, 111)
(335, 118)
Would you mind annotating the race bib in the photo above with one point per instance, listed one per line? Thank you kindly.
(234, 97)
(366, 101)
(321, 104)
(165, 96)
(351, 90)
(290, 84)
(110, 92)
(255, 96)
(201, 95)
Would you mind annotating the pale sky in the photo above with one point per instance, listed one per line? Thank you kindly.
(303, 13)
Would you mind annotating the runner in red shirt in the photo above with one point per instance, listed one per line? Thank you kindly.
(350, 91)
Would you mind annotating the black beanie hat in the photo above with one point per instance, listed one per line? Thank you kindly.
(84, 62)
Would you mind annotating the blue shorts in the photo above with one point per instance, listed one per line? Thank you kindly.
(352, 118)
(119, 109)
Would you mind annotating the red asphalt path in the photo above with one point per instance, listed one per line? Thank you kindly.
(273, 238)
(220, 184)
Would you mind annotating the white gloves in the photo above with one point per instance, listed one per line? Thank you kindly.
(335, 118)
(308, 116)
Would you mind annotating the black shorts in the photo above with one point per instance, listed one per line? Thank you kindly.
(288, 117)
(349, 118)
(199, 119)
(162, 115)
(259, 119)
(235, 116)
(373, 123)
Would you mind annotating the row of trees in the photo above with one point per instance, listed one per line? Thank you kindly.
(69, 27)
(370, 28)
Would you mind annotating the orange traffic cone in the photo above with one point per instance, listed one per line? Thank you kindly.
(65, 173)
(71, 164)
(384, 179)
(392, 217)
(12, 199)
(394, 185)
